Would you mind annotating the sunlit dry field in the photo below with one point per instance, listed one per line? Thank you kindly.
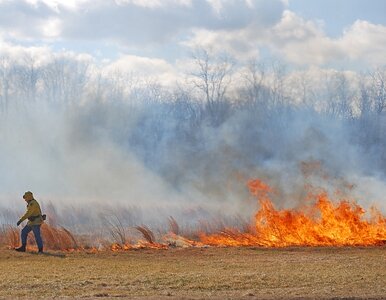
(197, 273)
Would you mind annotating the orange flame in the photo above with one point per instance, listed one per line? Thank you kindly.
(140, 245)
(323, 224)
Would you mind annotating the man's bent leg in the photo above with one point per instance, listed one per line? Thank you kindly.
(24, 234)
(38, 238)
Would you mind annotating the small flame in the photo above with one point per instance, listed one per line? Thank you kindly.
(140, 245)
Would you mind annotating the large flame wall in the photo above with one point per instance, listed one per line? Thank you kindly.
(322, 223)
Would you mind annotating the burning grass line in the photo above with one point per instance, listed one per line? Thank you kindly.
(324, 224)
(147, 233)
(173, 226)
(71, 237)
(116, 229)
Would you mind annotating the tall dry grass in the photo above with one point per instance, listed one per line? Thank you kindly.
(58, 238)
(53, 238)
(9, 236)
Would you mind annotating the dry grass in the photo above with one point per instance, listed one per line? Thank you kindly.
(220, 273)
(54, 238)
(147, 233)
(173, 226)
(10, 236)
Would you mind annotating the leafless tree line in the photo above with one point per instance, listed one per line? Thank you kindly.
(70, 81)
(156, 119)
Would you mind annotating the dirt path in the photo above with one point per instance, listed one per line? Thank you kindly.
(217, 273)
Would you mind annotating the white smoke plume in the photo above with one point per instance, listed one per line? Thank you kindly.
(87, 146)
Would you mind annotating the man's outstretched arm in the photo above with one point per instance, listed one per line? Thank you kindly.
(30, 212)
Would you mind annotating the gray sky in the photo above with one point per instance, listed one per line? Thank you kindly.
(161, 34)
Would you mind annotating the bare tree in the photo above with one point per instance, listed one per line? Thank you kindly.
(6, 67)
(64, 80)
(213, 77)
(338, 95)
(254, 78)
(364, 104)
(277, 87)
(117, 85)
(378, 89)
(25, 81)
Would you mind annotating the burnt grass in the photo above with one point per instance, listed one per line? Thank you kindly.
(197, 273)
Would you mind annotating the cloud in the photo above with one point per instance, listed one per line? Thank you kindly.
(304, 42)
(39, 55)
(154, 3)
(365, 41)
(142, 23)
(236, 43)
(131, 22)
(145, 67)
(23, 20)
(243, 28)
(19, 53)
(299, 41)
(240, 41)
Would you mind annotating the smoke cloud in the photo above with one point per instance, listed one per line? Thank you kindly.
(155, 152)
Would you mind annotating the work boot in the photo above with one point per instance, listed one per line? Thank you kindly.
(40, 250)
(20, 249)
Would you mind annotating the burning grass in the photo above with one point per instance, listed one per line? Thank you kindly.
(323, 223)
(320, 222)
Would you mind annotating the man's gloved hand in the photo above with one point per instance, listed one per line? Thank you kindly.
(18, 223)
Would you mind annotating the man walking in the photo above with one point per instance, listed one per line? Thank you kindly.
(35, 220)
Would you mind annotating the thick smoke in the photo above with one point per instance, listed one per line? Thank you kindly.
(88, 149)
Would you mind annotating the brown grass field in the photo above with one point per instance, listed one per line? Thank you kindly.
(197, 273)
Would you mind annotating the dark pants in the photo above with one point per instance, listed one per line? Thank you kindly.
(36, 230)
